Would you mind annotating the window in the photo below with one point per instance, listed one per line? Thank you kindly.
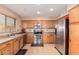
(2, 23)
(7, 24)
(9, 21)
(10, 24)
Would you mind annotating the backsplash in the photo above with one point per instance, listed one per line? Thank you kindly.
(44, 30)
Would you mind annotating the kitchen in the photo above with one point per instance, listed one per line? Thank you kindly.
(26, 29)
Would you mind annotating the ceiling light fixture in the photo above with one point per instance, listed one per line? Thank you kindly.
(38, 12)
(51, 9)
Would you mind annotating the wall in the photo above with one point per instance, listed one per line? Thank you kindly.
(47, 37)
(8, 12)
(74, 31)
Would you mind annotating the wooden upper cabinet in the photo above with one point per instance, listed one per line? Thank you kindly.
(28, 24)
(48, 24)
(74, 14)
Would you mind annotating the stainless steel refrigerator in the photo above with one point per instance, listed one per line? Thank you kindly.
(62, 36)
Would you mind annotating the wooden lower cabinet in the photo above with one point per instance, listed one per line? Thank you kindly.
(30, 38)
(21, 42)
(0, 53)
(6, 51)
(16, 46)
(7, 48)
(48, 37)
(74, 39)
(11, 47)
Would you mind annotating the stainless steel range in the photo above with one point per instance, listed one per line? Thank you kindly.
(37, 35)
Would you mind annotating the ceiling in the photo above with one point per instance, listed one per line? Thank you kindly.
(30, 10)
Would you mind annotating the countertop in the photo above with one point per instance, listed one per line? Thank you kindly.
(44, 30)
(5, 39)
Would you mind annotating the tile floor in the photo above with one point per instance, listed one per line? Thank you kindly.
(47, 49)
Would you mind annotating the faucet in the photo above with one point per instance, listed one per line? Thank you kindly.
(11, 34)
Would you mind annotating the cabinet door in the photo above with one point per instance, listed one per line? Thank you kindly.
(48, 38)
(0, 53)
(74, 39)
(30, 37)
(16, 46)
(11, 46)
(21, 42)
(7, 50)
(74, 15)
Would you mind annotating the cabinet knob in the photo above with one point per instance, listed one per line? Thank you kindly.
(69, 40)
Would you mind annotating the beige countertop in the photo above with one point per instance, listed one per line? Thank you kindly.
(5, 39)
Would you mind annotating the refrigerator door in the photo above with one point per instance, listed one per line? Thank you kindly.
(60, 36)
